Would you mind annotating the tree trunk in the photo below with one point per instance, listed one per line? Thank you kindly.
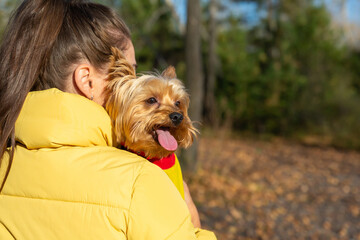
(270, 15)
(210, 103)
(194, 77)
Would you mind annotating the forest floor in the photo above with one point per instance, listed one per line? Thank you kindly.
(252, 189)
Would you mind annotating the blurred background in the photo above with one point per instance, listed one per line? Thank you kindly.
(275, 85)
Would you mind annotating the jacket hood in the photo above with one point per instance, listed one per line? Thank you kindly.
(52, 119)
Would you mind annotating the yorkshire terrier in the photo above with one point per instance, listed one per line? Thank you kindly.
(149, 113)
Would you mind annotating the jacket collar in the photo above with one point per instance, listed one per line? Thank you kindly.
(52, 119)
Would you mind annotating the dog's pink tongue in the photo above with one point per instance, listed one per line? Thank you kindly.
(166, 140)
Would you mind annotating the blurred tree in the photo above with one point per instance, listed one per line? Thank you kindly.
(215, 21)
(194, 75)
(210, 103)
(6, 7)
(237, 71)
(156, 33)
(270, 74)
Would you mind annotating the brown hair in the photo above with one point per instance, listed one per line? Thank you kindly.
(42, 40)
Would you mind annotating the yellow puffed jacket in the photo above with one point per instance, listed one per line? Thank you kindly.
(67, 182)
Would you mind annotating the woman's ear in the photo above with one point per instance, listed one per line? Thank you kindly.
(82, 80)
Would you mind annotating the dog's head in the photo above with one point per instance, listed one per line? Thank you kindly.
(149, 113)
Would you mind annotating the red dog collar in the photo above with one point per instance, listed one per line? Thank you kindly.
(164, 163)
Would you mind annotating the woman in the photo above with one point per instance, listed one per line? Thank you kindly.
(60, 178)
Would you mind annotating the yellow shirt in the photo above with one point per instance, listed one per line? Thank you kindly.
(171, 166)
(174, 173)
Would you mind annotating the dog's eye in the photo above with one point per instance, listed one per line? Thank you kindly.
(151, 100)
(177, 103)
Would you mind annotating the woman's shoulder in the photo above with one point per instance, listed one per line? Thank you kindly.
(98, 175)
(123, 166)
(113, 175)
(112, 168)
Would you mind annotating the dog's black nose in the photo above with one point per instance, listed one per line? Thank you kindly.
(176, 118)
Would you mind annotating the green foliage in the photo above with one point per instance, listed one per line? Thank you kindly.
(289, 74)
(156, 34)
(155, 31)
(237, 72)
(6, 7)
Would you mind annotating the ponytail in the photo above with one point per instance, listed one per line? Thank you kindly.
(26, 45)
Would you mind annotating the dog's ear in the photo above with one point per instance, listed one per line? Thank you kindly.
(169, 72)
(116, 54)
(119, 66)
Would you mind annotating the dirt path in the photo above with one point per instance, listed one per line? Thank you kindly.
(250, 189)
